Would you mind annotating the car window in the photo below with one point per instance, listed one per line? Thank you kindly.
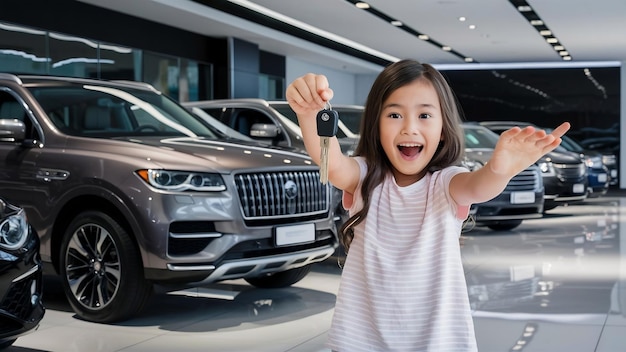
(286, 111)
(351, 118)
(12, 109)
(99, 111)
(479, 138)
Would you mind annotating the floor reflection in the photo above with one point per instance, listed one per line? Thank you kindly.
(567, 268)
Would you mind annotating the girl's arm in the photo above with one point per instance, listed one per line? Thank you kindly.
(307, 95)
(516, 150)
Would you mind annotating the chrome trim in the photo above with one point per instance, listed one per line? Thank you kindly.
(30, 272)
(259, 266)
(196, 235)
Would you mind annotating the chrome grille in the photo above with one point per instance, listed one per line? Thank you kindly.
(266, 195)
(526, 180)
(570, 171)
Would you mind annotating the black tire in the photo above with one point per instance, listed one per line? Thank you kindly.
(504, 225)
(280, 279)
(7, 344)
(101, 269)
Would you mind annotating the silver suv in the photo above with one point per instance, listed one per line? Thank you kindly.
(127, 189)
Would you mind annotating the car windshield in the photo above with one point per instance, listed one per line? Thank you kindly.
(477, 137)
(106, 111)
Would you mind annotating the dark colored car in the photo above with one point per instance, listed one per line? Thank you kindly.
(521, 199)
(564, 173)
(21, 307)
(127, 189)
(599, 174)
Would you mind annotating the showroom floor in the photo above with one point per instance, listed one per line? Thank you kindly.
(552, 284)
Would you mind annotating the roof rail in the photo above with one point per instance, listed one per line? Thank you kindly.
(10, 77)
(136, 83)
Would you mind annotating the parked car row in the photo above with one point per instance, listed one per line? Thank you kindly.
(564, 176)
(127, 189)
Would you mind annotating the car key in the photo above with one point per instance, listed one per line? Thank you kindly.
(327, 120)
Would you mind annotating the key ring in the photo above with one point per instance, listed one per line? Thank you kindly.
(327, 104)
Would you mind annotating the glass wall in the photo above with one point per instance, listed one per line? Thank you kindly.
(29, 50)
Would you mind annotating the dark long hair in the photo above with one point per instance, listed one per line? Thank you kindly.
(448, 153)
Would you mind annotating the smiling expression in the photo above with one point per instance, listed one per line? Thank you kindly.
(410, 129)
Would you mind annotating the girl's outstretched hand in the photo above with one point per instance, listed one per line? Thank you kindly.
(308, 94)
(519, 148)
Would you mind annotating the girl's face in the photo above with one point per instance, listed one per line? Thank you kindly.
(411, 125)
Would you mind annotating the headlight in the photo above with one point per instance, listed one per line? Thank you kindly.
(183, 180)
(608, 159)
(471, 165)
(14, 230)
(594, 162)
(546, 167)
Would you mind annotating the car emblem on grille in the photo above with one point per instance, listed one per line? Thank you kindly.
(291, 189)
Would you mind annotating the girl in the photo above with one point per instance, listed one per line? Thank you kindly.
(403, 286)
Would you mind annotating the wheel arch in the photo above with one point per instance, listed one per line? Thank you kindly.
(86, 202)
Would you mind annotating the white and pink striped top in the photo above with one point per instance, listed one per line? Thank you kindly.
(403, 286)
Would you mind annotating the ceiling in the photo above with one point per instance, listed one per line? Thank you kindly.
(590, 31)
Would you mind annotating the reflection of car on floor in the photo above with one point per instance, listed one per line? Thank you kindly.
(21, 307)
(564, 173)
(127, 189)
(521, 199)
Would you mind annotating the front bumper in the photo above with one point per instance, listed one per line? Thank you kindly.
(21, 308)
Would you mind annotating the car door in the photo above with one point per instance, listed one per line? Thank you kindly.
(22, 182)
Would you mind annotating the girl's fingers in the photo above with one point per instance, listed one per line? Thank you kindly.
(310, 91)
(560, 131)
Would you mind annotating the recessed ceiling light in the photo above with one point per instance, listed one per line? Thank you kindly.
(563, 53)
(567, 58)
(446, 48)
(462, 19)
(423, 37)
(535, 20)
(469, 59)
(362, 5)
(396, 23)
(472, 26)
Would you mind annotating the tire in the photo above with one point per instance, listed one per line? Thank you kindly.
(7, 344)
(101, 269)
(504, 225)
(280, 279)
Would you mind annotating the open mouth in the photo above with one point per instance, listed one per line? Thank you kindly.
(410, 149)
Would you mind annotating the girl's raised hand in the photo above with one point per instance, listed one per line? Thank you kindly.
(308, 93)
(519, 148)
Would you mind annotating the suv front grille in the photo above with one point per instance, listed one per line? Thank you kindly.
(570, 171)
(281, 194)
(526, 180)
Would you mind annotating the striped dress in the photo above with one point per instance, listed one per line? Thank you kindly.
(403, 285)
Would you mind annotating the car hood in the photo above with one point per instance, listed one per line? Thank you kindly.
(478, 154)
(202, 154)
(564, 158)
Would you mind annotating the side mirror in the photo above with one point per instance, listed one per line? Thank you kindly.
(263, 130)
(12, 130)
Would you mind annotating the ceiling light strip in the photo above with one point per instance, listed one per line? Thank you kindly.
(399, 24)
(533, 18)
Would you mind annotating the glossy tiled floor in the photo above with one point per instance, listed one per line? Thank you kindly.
(552, 284)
